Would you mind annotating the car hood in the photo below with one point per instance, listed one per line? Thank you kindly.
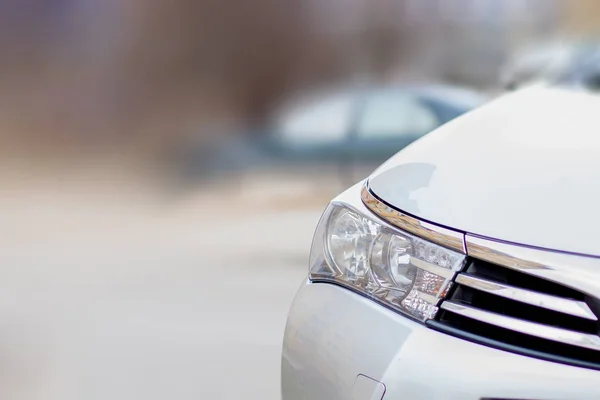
(524, 168)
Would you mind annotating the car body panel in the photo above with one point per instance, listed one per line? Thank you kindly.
(333, 335)
(522, 169)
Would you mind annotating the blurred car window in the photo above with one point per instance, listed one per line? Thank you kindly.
(316, 121)
(388, 115)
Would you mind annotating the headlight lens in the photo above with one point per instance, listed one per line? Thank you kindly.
(393, 267)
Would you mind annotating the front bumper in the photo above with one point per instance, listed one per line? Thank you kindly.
(334, 335)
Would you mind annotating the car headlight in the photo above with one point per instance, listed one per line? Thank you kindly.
(400, 270)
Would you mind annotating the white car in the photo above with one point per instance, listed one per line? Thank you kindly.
(465, 267)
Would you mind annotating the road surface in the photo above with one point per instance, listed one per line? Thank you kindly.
(125, 296)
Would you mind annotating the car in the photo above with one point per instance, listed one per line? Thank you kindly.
(465, 267)
(575, 64)
(542, 63)
(344, 131)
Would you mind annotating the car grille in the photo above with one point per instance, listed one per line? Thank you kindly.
(514, 311)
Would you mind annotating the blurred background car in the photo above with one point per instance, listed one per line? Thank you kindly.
(344, 132)
(575, 63)
(542, 63)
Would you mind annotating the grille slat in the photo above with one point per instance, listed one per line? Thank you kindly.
(549, 302)
(547, 332)
(525, 312)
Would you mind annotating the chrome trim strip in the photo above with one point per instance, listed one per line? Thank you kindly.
(559, 304)
(445, 237)
(587, 341)
(578, 272)
(432, 268)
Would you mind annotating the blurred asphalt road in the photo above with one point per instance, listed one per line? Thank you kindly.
(105, 295)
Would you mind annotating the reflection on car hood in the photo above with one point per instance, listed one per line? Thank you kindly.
(524, 168)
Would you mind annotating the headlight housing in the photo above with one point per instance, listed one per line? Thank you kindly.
(358, 250)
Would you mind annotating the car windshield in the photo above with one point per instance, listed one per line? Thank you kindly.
(318, 119)
(390, 114)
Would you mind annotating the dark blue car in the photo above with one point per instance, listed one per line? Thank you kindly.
(348, 129)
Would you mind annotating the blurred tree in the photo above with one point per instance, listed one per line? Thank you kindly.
(131, 71)
(580, 17)
(244, 51)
